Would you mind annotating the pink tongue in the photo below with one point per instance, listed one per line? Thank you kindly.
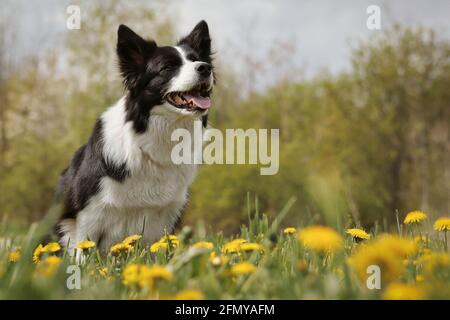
(198, 100)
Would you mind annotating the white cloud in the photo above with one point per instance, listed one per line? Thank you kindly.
(319, 30)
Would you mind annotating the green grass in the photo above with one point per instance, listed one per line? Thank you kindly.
(285, 268)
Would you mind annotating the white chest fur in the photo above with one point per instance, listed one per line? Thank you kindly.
(150, 200)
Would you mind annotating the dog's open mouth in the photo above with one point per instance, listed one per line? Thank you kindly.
(196, 99)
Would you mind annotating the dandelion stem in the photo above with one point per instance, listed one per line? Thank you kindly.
(445, 240)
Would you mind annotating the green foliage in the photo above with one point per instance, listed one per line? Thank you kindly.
(283, 266)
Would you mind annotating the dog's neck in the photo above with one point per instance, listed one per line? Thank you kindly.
(123, 145)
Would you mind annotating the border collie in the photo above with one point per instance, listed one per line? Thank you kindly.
(123, 181)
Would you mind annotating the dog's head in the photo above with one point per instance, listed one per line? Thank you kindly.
(177, 79)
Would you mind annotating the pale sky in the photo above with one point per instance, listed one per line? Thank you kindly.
(319, 32)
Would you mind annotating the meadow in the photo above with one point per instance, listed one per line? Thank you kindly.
(263, 261)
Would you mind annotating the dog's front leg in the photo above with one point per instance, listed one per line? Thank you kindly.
(87, 228)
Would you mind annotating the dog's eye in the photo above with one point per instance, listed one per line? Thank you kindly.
(168, 67)
(192, 57)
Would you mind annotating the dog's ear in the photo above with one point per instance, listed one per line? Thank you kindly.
(199, 40)
(133, 53)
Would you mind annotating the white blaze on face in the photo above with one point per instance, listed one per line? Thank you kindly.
(187, 77)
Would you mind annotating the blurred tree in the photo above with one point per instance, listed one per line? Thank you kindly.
(363, 144)
(396, 115)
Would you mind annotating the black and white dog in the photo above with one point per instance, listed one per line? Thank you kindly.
(123, 181)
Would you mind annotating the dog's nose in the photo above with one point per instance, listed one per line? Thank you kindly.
(204, 69)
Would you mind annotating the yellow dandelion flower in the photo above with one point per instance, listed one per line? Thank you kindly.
(390, 264)
(160, 272)
(120, 248)
(358, 234)
(189, 294)
(48, 267)
(131, 274)
(320, 239)
(398, 245)
(52, 247)
(149, 275)
(203, 244)
(53, 261)
(85, 245)
(387, 252)
(442, 224)
(414, 217)
(131, 240)
(233, 246)
(238, 241)
(14, 256)
(250, 246)
(289, 230)
(434, 262)
(242, 268)
(420, 278)
(159, 246)
(217, 260)
(171, 239)
(37, 253)
(401, 291)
